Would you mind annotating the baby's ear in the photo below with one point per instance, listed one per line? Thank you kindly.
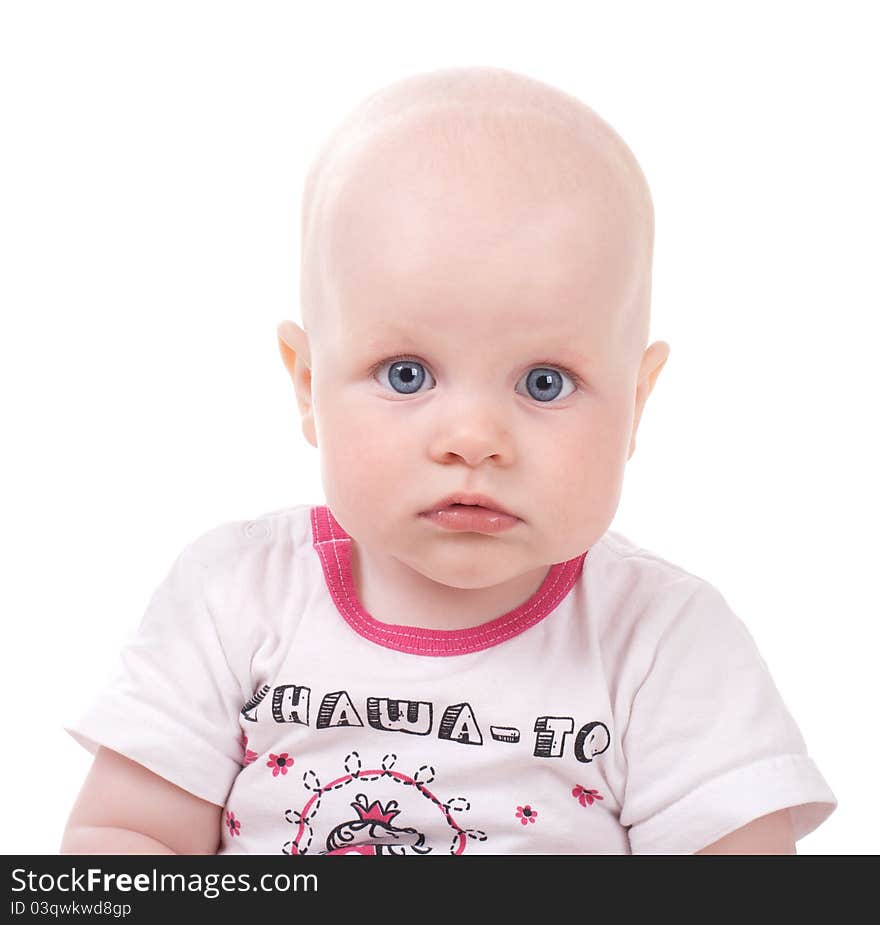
(653, 361)
(293, 342)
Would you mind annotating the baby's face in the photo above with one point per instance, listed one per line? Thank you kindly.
(471, 342)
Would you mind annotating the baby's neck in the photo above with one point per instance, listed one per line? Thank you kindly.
(392, 592)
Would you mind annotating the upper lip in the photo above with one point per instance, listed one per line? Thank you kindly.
(463, 497)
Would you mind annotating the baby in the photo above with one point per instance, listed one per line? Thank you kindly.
(454, 654)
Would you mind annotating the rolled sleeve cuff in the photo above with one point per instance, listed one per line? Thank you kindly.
(727, 803)
(177, 753)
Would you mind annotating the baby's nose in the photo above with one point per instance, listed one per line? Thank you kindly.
(473, 432)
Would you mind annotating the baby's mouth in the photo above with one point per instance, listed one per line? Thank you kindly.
(469, 517)
(461, 501)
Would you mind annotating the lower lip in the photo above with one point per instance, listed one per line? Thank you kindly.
(471, 518)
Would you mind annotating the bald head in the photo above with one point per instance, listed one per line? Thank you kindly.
(461, 140)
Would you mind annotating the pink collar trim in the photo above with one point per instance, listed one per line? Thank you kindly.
(333, 545)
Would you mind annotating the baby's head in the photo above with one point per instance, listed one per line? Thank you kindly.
(476, 278)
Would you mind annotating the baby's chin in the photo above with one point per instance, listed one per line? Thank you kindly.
(479, 562)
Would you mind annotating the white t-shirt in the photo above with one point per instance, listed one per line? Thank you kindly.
(623, 708)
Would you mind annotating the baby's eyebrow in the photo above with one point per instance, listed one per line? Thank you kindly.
(574, 357)
(389, 337)
(400, 340)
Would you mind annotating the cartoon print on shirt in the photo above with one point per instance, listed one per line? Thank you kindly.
(460, 724)
(585, 797)
(411, 716)
(504, 733)
(526, 814)
(233, 824)
(249, 710)
(290, 703)
(338, 710)
(552, 730)
(280, 764)
(373, 831)
(327, 825)
(593, 738)
(250, 756)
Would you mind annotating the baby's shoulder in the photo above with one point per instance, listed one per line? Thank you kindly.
(623, 561)
(255, 576)
(287, 530)
(642, 595)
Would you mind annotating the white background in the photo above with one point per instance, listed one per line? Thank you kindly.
(152, 167)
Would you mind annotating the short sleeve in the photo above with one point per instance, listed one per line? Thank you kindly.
(710, 745)
(174, 704)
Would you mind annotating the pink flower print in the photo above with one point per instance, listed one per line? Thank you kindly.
(249, 755)
(233, 823)
(584, 796)
(279, 763)
(526, 814)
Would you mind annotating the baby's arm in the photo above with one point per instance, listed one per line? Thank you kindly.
(123, 808)
(770, 834)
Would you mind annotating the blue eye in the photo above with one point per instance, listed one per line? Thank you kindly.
(405, 376)
(545, 383)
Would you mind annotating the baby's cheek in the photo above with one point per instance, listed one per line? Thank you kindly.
(587, 473)
(360, 455)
